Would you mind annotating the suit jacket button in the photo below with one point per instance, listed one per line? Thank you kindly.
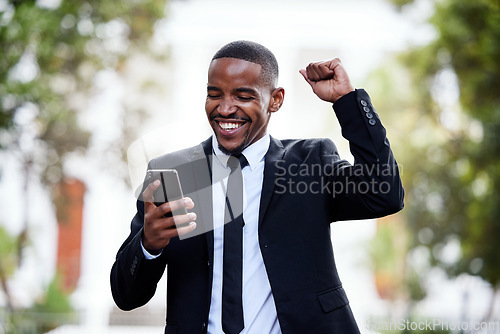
(366, 109)
(133, 266)
(363, 103)
(372, 121)
(369, 115)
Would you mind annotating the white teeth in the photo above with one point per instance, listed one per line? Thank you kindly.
(229, 126)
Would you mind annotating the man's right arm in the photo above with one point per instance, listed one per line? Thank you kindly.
(133, 276)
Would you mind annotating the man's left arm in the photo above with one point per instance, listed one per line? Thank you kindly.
(372, 186)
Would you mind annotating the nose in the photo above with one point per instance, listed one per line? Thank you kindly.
(226, 108)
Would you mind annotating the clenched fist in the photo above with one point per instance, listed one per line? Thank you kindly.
(328, 79)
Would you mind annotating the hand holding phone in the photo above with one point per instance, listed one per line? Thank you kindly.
(169, 189)
(165, 210)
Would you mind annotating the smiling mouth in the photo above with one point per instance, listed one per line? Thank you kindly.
(229, 126)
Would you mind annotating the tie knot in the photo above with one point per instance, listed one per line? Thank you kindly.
(236, 161)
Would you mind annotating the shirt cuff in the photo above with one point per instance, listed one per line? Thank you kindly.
(148, 255)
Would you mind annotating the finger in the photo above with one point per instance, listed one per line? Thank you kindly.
(161, 227)
(175, 205)
(321, 71)
(186, 229)
(332, 64)
(174, 232)
(147, 195)
(312, 72)
(324, 71)
(189, 203)
(180, 220)
(304, 74)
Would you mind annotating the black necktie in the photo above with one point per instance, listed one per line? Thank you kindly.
(232, 285)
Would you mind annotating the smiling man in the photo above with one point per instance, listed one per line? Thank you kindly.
(241, 96)
(267, 267)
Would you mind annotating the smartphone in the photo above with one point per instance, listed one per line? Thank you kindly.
(169, 189)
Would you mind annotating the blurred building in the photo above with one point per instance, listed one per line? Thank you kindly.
(69, 206)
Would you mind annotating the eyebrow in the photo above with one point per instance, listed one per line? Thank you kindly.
(239, 90)
(246, 90)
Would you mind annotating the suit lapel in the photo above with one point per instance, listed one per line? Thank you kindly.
(201, 163)
(203, 180)
(275, 153)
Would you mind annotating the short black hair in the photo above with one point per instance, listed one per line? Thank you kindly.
(255, 53)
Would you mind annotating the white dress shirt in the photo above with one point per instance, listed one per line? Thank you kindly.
(259, 309)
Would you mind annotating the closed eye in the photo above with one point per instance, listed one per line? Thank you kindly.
(245, 98)
(213, 92)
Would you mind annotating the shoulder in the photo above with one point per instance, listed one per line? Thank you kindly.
(178, 158)
(308, 145)
(313, 149)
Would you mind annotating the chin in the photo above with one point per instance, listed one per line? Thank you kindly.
(232, 151)
(231, 148)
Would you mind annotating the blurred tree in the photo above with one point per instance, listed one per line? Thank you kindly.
(54, 307)
(7, 263)
(400, 265)
(51, 53)
(396, 279)
(50, 311)
(451, 155)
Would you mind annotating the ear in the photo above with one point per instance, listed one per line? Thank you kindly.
(277, 97)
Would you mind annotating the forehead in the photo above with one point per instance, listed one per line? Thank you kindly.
(234, 71)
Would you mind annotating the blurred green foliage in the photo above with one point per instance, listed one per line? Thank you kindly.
(50, 57)
(8, 261)
(50, 311)
(463, 172)
(444, 109)
(51, 52)
(54, 307)
(7, 252)
(54, 300)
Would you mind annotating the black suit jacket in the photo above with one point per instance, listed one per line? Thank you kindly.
(306, 187)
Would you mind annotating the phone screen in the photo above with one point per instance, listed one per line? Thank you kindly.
(169, 189)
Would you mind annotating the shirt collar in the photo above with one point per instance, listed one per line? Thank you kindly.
(254, 153)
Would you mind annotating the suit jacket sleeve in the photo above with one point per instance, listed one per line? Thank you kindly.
(371, 187)
(133, 277)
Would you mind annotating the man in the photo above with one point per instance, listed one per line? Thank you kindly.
(292, 191)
